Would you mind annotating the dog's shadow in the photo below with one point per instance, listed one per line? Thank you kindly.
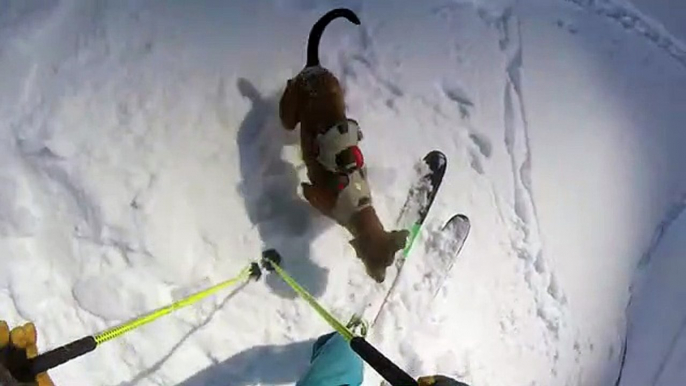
(269, 187)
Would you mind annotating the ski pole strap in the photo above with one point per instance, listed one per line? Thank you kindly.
(330, 319)
(73, 350)
(387, 369)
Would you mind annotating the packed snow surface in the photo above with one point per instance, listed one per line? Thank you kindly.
(142, 158)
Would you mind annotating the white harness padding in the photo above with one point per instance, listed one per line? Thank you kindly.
(355, 195)
(353, 198)
(334, 141)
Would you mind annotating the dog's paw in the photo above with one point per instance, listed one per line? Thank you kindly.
(399, 239)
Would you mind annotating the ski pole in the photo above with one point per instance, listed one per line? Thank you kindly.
(29, 368)
(396, 376)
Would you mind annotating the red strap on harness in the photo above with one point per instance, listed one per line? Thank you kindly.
(357, 153)
(343, 181)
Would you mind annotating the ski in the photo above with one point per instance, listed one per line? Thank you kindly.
(445, 247)
(442, 250)
(430, 171)
(420, 198)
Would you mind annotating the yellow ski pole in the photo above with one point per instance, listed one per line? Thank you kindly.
(271, 261)
(28, 368)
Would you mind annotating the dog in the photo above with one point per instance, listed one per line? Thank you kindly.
(338, 186)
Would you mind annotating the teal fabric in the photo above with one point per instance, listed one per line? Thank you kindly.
(333, 363)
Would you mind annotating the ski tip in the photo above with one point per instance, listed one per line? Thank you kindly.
(458, 220)
(433, 154)
(270, 258)
(436, 160)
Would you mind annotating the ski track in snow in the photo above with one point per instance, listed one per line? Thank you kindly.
(548, 296)
(671, 356)
(480, 148)
(458, 95)
(361, 60)
(483, 151)
(632, 20)
(673, 213)
(678, 338)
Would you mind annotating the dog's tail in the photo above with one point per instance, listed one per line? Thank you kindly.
(318, 30)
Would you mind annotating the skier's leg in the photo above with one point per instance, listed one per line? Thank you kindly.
(333, 363)
(319, 343)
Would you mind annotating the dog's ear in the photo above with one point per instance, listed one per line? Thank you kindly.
(399, 239)
(289, 106)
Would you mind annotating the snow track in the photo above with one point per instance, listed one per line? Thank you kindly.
(633, 21)
(673, 213)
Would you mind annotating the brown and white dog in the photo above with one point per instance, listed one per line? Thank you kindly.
(314, 98)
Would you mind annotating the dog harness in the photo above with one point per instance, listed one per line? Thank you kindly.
(338, 152)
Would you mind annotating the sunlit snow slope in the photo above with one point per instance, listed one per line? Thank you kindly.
(142, 157)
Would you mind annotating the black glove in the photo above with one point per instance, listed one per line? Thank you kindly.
(439, 380)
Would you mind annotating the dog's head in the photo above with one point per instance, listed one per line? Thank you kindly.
(378, 253)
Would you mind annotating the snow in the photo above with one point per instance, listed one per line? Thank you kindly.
(655, 344)
(142, 157)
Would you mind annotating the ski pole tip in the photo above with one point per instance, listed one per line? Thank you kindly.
(255, 271)
(270, 257)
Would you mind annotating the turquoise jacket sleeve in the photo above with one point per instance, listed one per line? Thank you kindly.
(333, 363)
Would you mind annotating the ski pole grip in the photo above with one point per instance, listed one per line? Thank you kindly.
(60, 355)
(387, 369)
